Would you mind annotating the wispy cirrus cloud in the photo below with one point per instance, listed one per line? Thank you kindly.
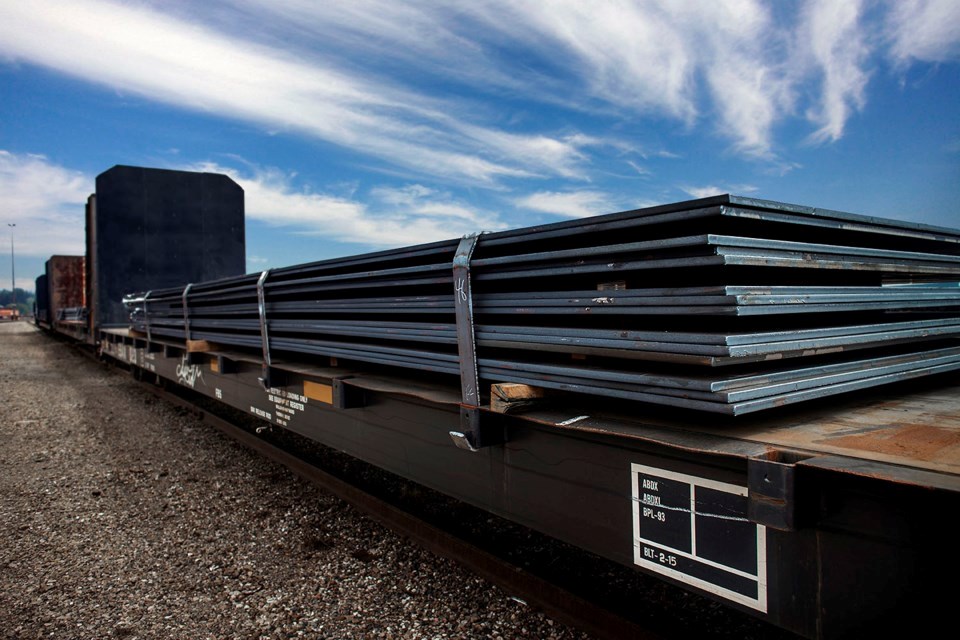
(420, 201)
(653, 58)
(432, 88)
(623, 53)
(756, 62)
(927, 30)
(142, 51)
(736, 46)
(641, 57)
(834, 39)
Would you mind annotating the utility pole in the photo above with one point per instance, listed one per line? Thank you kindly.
(13, 272)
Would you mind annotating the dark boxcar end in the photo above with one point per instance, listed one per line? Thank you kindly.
(154, 228)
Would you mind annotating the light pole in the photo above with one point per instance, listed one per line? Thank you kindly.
(13, 272)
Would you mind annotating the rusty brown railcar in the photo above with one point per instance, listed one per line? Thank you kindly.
(66, 285)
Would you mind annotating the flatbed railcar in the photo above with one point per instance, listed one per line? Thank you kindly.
(837, 519)
(830, 518)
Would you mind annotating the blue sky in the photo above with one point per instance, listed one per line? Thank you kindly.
(356, 125)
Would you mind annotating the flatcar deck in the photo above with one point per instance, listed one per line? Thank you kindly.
(916, 426)
(912, 426)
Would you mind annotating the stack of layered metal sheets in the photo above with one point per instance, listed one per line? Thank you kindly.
(725, 304)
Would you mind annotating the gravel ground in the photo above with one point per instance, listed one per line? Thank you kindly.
(121, 516)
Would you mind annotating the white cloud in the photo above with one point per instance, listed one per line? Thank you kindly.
(927, 30)
(402, 196)
(572, 204)
(704, 191)
(46, 203)
(627, 53)
(428, 36)
(142, 51)
(421, 201)
(394, 217)
(712, 190)
(781, 168)
(473, 44)
(836, 44)
(425, 85)
(748, 110)
(319, 68)
(646, 56)
(736, 44)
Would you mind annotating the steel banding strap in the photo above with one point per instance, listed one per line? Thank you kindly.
(466, 344)
(186, 312)
(264, 336)
(469, 436)
(146, 314)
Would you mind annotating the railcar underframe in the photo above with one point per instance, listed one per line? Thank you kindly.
(830, 520)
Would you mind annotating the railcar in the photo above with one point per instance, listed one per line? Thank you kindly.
(755, 401)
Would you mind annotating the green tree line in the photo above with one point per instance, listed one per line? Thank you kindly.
(24, 300)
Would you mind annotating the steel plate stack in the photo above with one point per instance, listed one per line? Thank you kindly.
(724, 304)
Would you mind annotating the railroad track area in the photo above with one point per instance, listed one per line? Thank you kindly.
(125, 513)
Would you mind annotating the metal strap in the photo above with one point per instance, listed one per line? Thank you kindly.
(469, 436)
(186, 312)
(469, 381)
(264, 335)
(146, 314)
